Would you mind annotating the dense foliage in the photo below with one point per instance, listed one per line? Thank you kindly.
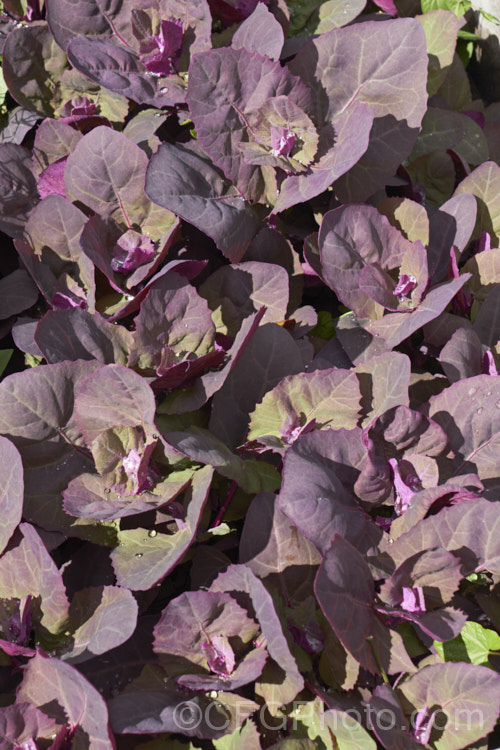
(250, 403)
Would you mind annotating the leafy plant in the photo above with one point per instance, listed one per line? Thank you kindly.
(249, 467)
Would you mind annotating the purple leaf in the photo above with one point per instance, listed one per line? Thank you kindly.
(203, 447)
(396, 327)
(350, 238)
(388, 722)
(219, 655)
(436, 498)
(319, 472)
(436, 573)
(240, 289)
(50, 385)
(141, 560)
(451, 226)
(384, 383)
(182, 374)
(398, 432)
(31, 79)
(275, 353)
(72, 701)
(227, 87)
(76, 334)
(27, 569)
(98, 242)
(52, 251)
(240, 579)
(329, 398)
(20, 122)
(483, 183)
(51, 180)
(22, 721)
(97, 175)
(487, 322)
(122, 457)
(345, 591)
(232, 11)
(88, 496)
(174, 324)
(461, 357)
(209, 383)
(341, 144)
(113, 395)
(393, 84)
(18, 191)
(469, 413)
(466, 697)
(185, 182)
(260, 33)
(66, 21)
(17, 293)
(11, 490)
(100, 619)
(131, 251)
(476, 521)
(148, 705)
(274, 549)
(193, 638)
(120, 70)
(161, 54)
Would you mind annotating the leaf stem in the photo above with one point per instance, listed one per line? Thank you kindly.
(225, 506)
(85, 453)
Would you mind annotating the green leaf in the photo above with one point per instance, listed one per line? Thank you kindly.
(330, 728)
(324, 328)
(244, 738)
(330, 397)
(468, 35)
(488, 16)
(3, 93)
(474, 644)
(458, 7)
(440, 28)
(5, 355)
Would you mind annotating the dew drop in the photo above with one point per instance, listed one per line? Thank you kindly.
(488, 393)
(138, 554)
(480, 410)
(391, 541)
(471, 391)
(152, 533)
(164, 90)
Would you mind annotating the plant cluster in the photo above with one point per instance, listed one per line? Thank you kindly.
(250, 412)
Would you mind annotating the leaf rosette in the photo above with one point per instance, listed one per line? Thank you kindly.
(285, 137)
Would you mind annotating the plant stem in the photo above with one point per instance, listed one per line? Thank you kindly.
(225, 506)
